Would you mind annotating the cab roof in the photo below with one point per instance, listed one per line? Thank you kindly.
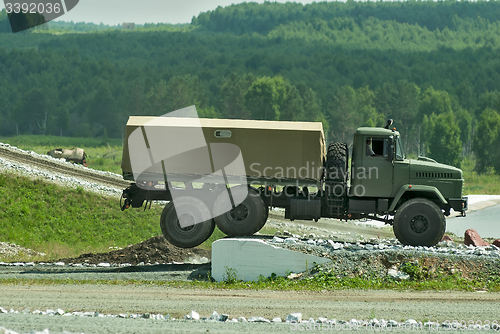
(369, 131)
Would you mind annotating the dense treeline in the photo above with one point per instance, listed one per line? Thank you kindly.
(262, 18)
(431, 66)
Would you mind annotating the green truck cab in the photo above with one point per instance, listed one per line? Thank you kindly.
(418, 193)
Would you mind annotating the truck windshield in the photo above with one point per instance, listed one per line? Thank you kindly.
(399, 149)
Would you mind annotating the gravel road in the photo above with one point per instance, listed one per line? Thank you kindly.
(339, 305)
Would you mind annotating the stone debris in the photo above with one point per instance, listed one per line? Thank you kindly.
(215, 316)
(472, 238)
(356, 324)
(193, 315)
(320, 247)
(258, 319)
(446, 237)
(278, 240)
(399, 275)
(294, 317)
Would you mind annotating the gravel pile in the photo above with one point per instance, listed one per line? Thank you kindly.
(294, 321)
(63, 180)
(11, 250)
(381, 257)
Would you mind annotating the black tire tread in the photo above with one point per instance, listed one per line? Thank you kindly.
(204, 230)
(258, 221)
(337, 159)
(399, 228)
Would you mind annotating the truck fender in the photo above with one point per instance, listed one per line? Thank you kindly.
(416, 188)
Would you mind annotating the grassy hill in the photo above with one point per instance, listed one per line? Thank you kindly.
(64, 222)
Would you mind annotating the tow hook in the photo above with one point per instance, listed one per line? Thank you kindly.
(126, 203)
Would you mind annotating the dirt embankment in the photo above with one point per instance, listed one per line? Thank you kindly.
(153, 250)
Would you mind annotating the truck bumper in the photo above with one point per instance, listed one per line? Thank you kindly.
(459, 204)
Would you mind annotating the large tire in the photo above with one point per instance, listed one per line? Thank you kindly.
(246, 218)
(337, 160)
(191, 209)
(419, 222)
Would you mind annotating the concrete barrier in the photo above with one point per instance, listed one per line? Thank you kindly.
(247, 259)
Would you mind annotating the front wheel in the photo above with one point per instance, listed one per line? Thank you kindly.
(419, 222)
(193, 214)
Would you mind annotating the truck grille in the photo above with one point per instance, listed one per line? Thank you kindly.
(434, 175)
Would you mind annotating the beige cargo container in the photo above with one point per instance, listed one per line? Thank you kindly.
(270, 150)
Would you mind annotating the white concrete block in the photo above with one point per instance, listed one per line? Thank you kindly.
(251, 258)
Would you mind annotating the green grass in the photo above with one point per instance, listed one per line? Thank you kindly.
(63, 222)
(326, 281)
(480, 184)
(67, 222)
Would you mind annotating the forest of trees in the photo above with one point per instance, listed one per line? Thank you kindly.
(433, 67)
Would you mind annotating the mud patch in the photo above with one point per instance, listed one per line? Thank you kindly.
(154, 250)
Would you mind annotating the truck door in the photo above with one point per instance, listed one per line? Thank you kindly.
(375, 172)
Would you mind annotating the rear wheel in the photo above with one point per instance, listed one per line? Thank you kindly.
(246, 218)
(194, 215)
(419, 222)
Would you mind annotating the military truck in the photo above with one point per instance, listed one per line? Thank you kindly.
(285, 165)
(75, 155)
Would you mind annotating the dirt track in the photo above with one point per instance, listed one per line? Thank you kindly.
(63, 168)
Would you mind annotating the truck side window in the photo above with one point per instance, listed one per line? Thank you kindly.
(399, 150)
(378, 146)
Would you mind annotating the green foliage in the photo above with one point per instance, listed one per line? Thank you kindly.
(232, 96)
(265, 98)
(230, 275)
(414, 270)
(435, 102)
(444, 142)
(248, 18)
(487, 140)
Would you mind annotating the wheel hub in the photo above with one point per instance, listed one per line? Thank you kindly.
(419, 224)
(187, 220)
(239, 213)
